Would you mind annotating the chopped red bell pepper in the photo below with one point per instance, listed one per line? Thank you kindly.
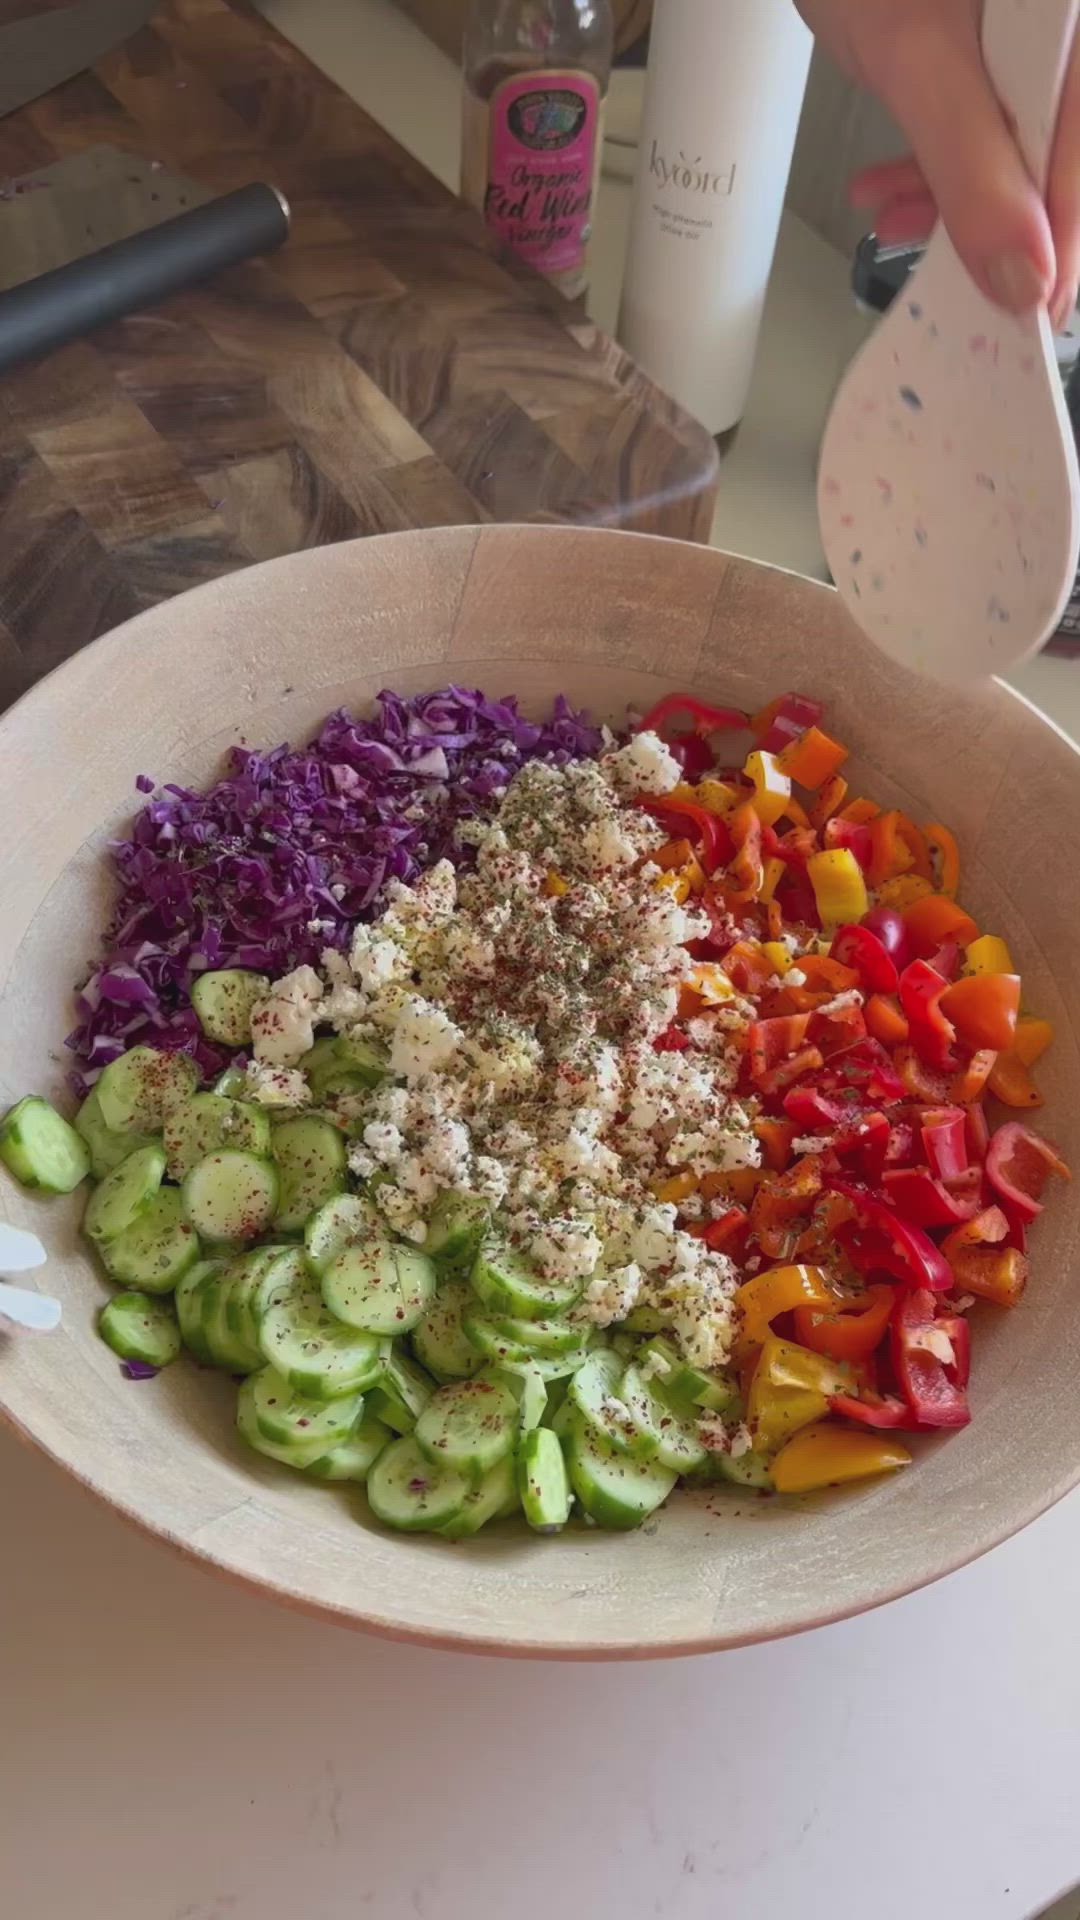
(771, 1041)
(870, 1409)
(946, 960)
(728, 1234)
(693, 753)
(713, 839)
(706, 719)
(783, 720)
(932, 1035)
(977, 1131)
(797, 897)
(933, 1385)
(672, 1040)
(887, 925)
(1018, 1165)
(944, 1138)
(900, 1151)
(919, 1197)
(809, 1109)
(856, 947)
(880, 1240)
(863, 1070)
(853, 835)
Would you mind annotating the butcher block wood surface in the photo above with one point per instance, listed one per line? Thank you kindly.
(387, 369)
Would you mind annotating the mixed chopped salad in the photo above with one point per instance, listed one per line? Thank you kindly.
(533, 1116)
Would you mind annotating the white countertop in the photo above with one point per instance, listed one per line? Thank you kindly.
(171, 1749)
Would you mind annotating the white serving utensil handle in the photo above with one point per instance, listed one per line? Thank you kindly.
(37, 1311)
(20, 1252)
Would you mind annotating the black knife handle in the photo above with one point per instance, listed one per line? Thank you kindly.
(56, 307)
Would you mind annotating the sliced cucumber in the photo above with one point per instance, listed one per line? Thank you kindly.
(316, 1353)
(137, 1091)
(405, 1490)
(685, 1386)
(233, 1084)
(290, 1418)
(506, 1282)
(296, 1455)
(381, 1287)
(527, 1384)
(544, 1338)
(116, 1204)
(106, 1148)
(616, 1490)
(439, 1339)
(224, 1347)
(223, 999)
(543, 1482)
(157, 1249)
(138, 1327)
(311, 1161)
(370, 1064)
(41, 1148)
(749, 1469)
(456, 1230)
(595, 1392)
(493, 1499)
(190, 1303)
(402, 1393)
(250, 1282)
(664, 1434)
(231, 1195)
(483, 1331)
(344, 1222)
(353, 1459)
(338, 1064)
(205, 1123)
(470, 1425)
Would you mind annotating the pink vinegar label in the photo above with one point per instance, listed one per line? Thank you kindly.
(542, 165)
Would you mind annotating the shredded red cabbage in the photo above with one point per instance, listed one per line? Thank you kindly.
(138, 1370)
(280, 858)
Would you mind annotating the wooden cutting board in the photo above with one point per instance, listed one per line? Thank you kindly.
(387, 370)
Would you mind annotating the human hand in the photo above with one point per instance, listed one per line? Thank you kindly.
(923, 59)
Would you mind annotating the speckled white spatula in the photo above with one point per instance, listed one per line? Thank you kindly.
(948, 490)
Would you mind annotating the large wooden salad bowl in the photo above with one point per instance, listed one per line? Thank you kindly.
(609, 618)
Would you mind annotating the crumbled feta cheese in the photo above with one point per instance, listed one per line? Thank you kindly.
(282, 1024)
(566, 1249)
(646, 765)
(276, 1086)
(424, 1038)
(612, 1294)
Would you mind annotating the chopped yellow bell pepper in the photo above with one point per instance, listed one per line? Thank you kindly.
(903, 891)
(988, 954)
(824, 1455)
(716, 796)
(675, 883)
(839, 887)
(678, 1187)
(712, 983)
(554, 884)
(1032, 1039)
(772, 789)
(790, 1388)
(776, 952)
(694, 873)
(758, 1301)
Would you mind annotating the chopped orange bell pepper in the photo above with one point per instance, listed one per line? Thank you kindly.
(712, 982)
(933, 920)
(825, 975)
(672, 855)
(772, 789)
(849, 1329)
(984, 1008)
(944, 859)
(782, 1199)
(915, 842)
(776, 1137)
(742, 881)
(797, 814)
(824, 1455)
(1011, 1083)
(886, 1020)
(678, 1187)
(1032, 1039)
(903, 891)
(747, 966)
(739, 1185)
(829, 801)
(829, 1212)
(890, 854)
(779, 1290)
(860, 812)
(970, 1083)
(812, 758)
(980, 1263)
(554, 884)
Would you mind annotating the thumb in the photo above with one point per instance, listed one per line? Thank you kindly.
(937, 88)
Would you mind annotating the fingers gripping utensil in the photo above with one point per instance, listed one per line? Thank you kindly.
(948, 489)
